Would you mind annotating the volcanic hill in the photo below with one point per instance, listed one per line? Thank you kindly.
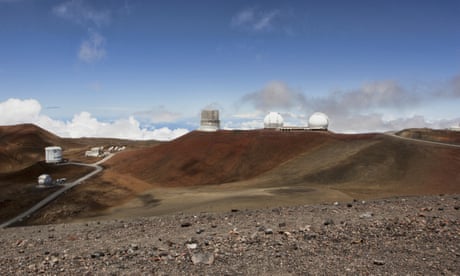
(213, 171)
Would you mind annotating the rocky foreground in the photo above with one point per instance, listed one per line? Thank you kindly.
(410, 235)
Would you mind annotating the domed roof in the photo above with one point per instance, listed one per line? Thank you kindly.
(273, 120)
(318, 120)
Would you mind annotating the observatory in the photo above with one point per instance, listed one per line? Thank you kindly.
(53, 154)
(273, 120)
(209, 120)
(318, 121)
(45, 180)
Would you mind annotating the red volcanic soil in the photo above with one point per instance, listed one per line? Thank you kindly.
(353, 163)
(263, 166)
(201, 158)
(23, 145)
(21, 162)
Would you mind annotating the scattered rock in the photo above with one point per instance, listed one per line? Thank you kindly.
(328, 221)
(366, 215)
(192, 245)
(204, 258)
(97, 254)
(268, 231)
(379, 262)
(186, 224)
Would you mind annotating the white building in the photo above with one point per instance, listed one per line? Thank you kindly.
(53, 154)
(94, 152)
(318, 121)
(273, 120)
(45, 180)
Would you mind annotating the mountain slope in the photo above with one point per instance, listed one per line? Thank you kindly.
(23, 145)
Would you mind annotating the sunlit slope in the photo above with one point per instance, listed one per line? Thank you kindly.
(23, 145)
(365, 163)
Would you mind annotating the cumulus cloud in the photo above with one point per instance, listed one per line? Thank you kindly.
(275, 95)
(16, 111)
(255, 20)
(79, 12)
(93, 48)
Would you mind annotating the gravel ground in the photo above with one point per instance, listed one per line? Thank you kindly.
(410, 235)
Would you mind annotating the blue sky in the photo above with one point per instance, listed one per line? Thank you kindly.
(370, 65)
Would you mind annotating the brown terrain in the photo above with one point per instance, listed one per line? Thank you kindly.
(22, 161)
(230, 169)
(237, 203)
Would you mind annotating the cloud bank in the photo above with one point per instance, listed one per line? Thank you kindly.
(375, 106)
(17, 111)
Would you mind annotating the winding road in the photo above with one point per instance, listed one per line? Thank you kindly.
(65, 187)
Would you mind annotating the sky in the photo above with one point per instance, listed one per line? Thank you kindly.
(145, 69)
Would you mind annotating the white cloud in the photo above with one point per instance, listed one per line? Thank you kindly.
(275, 95)
(375, 106)
(158, 114)
(16, 111)
(255, 20)
(78, 12)
(92, 49)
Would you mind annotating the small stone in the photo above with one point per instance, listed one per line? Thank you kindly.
(199, 231)
(282, 224)
(309, 236)
(328, 222)
(336, 203)
(379, 262)
(97, 255)
(54, 260)
(163, 254)
(456, 207)
(205, 258)
(186, 224)
(268, 231)
(192, 245)
(234, 210)
(366, 215)
(349, 205)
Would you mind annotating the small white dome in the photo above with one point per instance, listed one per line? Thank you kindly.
(318, 120)
(273, 120)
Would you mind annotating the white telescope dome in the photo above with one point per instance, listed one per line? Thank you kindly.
(273, 120)
(318, 120)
